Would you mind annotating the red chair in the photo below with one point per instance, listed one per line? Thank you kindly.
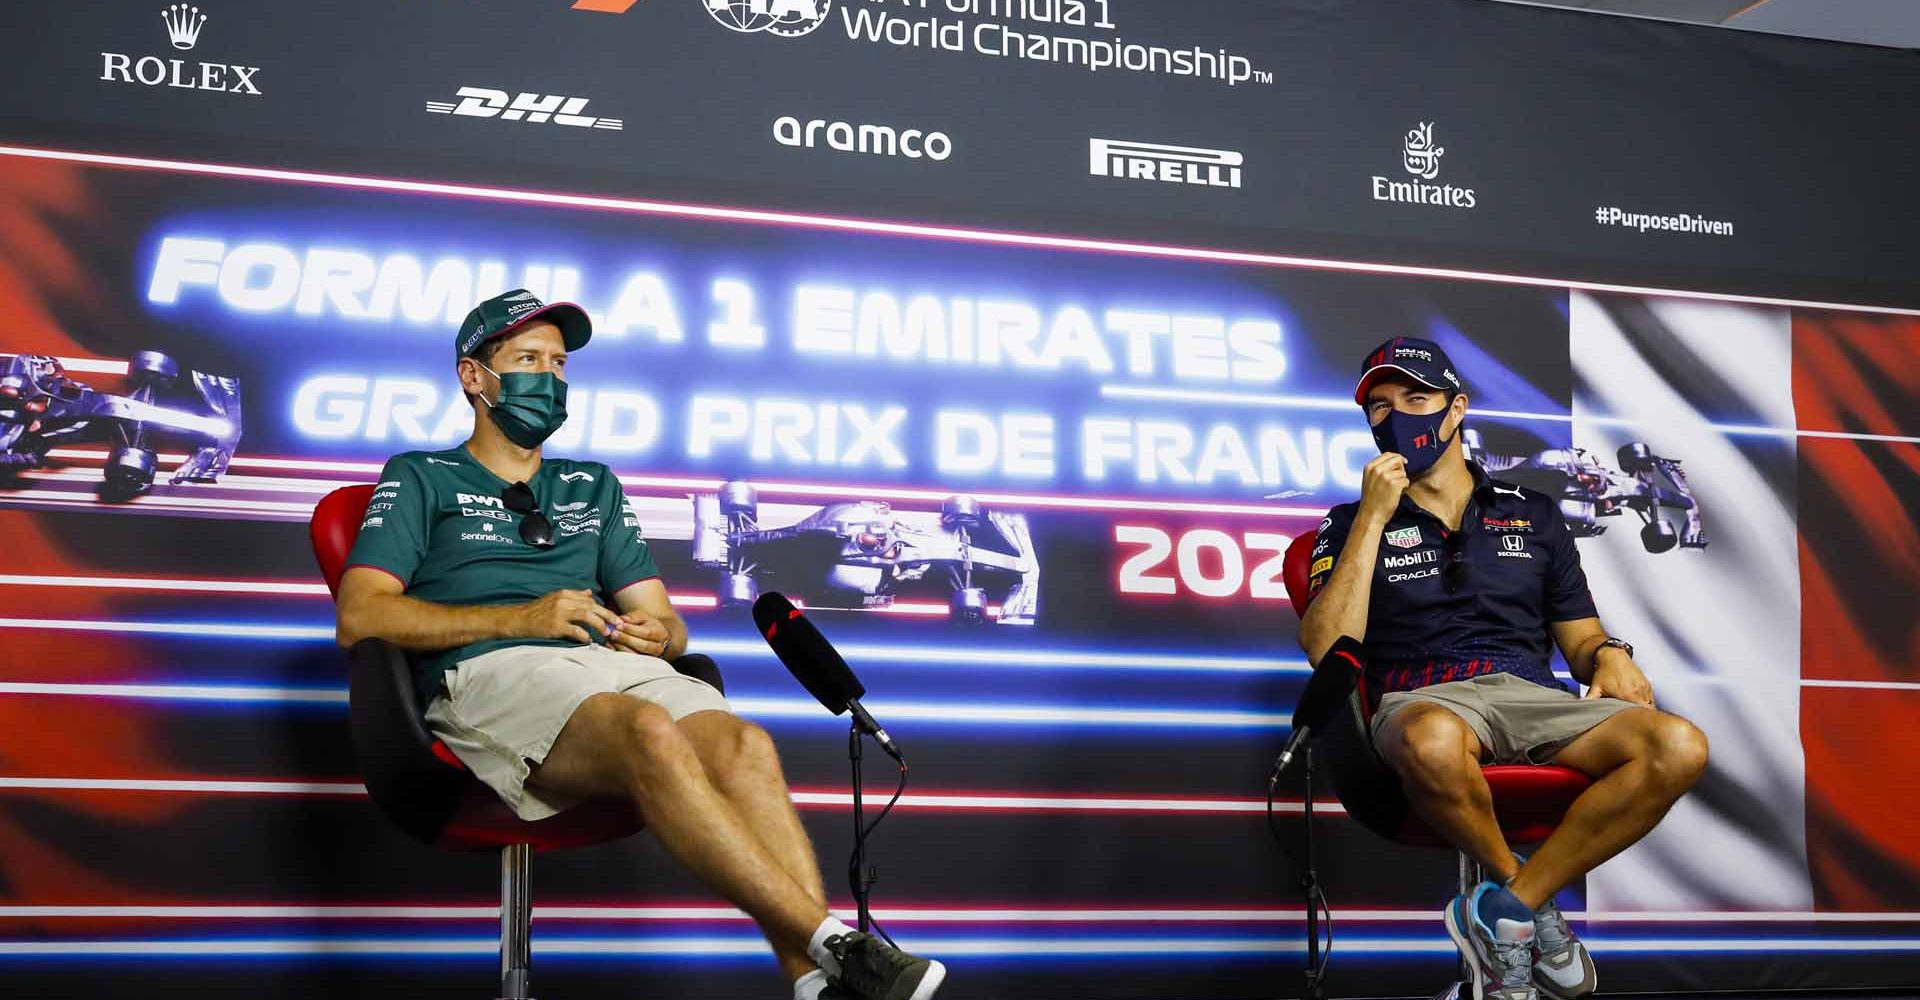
(1529, 800)
(423, 788)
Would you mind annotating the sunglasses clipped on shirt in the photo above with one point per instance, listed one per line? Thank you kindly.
(1453, 567)
(535, 529)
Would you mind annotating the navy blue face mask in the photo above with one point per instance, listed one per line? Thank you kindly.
(1414, 436)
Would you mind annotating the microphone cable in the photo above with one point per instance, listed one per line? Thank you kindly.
(860, 882)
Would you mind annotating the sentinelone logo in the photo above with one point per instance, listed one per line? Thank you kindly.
(183, 24)
(1146, 161)
(1420, 155)
(876, 140)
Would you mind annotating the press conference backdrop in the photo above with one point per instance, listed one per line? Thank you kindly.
(1105, 268)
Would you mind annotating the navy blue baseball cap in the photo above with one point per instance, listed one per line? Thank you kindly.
(509, 311)
(1421, 360)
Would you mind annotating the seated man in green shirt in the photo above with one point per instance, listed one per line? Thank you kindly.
(540, 634)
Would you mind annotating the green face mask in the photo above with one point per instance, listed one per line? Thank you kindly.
(532, 405)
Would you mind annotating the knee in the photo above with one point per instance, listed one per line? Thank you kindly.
(747, 749)
(1430, 750)
(1677, 752)
(653, 741)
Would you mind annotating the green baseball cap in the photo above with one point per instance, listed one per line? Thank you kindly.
(505, 313)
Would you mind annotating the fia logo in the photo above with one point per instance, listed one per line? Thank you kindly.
(482, 102)
(788, 18)
(1422, 157)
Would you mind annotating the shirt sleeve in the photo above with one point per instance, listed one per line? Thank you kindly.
(1327, 544)
(1567, 596)
(625, 558)
(394, 530)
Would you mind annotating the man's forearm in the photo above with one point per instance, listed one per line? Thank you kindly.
(1341, 606)
(422, 626)
(676, 639)
(1583, 657)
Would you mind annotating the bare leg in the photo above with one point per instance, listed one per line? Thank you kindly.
(741, 762)
(1437, 757)
(616, 745)
(1642, 761)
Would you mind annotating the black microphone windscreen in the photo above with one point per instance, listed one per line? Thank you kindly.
(806, 653)
(1333, 681)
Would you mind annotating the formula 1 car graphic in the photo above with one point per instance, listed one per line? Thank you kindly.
(1588, 490)
(42, 408)
(865, 551)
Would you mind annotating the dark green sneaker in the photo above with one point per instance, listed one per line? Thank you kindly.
(870, 969)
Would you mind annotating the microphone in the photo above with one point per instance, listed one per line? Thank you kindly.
(1333, 681)
(816, 664)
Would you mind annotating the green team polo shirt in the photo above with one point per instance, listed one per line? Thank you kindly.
(437, 524)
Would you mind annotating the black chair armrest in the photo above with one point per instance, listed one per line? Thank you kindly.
(417, 790)
(700, 666)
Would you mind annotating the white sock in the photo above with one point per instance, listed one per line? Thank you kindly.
(808, 987)
(817, 945)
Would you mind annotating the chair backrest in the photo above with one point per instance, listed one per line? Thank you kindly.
(335, 525)
(1293, 570)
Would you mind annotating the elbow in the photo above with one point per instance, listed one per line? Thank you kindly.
(346, 627)
(1313, 638)
(1318, 633)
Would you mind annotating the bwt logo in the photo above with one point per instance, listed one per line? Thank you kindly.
(481, 501)
(184, 25)
(483, 102)
(1146, 161)
(877, 140)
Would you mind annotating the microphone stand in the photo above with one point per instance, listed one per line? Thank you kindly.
(858, 876)
(1310, 886)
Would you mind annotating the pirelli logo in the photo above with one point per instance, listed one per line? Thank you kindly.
(1321, 565)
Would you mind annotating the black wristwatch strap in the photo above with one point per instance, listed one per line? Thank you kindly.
(1620, 644)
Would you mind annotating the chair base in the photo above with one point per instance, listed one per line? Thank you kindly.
(516, 923)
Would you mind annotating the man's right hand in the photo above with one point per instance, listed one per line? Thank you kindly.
(564, 614)
(1381, 484)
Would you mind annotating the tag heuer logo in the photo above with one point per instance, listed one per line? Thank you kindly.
(1404, 538)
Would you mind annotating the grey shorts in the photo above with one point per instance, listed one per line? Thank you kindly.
(500, 712)
(1517, 721)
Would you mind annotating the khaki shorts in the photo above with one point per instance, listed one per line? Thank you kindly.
(1518, 721)
(500, 712)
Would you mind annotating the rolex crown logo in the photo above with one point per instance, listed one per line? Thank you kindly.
(183, 25)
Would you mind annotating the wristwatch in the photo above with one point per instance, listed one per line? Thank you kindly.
(1620, 644)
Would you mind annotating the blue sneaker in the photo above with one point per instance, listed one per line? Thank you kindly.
(1495, 932)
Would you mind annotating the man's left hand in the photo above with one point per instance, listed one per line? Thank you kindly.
(641, 633)
(1615, 675)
